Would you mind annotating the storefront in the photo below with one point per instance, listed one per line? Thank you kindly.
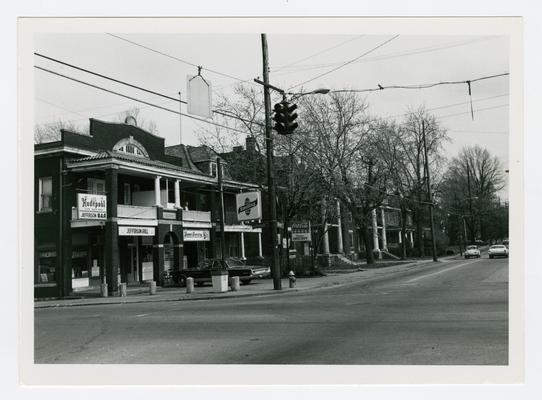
(196, 246)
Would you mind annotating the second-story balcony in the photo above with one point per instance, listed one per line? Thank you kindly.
(196, 219)
(136, 212)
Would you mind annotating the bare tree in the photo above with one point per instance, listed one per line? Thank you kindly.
(474, 179)
(341, 139)
(413, 174)
(51, 132)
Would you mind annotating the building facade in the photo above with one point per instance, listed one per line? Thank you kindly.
(117, 205)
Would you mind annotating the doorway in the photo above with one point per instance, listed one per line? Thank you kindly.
(133, 273)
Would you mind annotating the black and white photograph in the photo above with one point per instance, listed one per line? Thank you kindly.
(278, 194)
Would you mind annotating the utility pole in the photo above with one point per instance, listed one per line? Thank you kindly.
(180, 120)
(429, 195)
(472, 234)
(221, 216)
(275, 266)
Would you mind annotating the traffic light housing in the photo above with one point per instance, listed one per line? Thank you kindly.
(285, 118)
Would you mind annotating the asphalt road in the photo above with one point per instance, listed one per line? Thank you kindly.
(451, 313)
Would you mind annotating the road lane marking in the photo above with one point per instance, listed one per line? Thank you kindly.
(442, 271)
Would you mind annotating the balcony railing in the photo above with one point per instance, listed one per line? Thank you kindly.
(196, 216)
(137, 212)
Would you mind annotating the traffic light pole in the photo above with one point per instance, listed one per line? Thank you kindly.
(275, 265)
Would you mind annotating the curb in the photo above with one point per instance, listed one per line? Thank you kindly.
(156, 299)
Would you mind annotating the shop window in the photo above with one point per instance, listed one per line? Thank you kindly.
(47, 266)
(45, 193)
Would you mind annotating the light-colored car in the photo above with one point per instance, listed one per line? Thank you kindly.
(472, 252)
(498, 250)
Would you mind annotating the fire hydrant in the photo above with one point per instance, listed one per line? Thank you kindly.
(291, 279)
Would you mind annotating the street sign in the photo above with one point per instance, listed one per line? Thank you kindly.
(301, 231)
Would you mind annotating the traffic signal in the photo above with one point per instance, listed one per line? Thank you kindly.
(285, 118)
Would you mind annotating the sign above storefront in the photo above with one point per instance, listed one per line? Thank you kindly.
(249, 206)
(301, 231)
(196, 235)
(136, 231)
(91, 206)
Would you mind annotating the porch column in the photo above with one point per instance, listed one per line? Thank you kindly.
(177, 194)
(375, 231)
(111, 245)
(259, 244)
(384, 238)
(325, 238)
(157, 191)
(400, 237)
(340, 249)
(411, 239)
(243, 246)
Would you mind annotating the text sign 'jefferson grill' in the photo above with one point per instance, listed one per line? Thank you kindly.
(249, 206)
(91, 206)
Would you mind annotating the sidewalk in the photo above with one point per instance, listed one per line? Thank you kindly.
(259, 287)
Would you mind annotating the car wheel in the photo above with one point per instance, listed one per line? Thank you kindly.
(466, 257)
(245, 281)
(490, 256)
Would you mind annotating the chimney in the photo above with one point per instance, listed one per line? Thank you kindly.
(251, 145)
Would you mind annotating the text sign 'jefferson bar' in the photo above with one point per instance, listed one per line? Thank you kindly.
(91, 206)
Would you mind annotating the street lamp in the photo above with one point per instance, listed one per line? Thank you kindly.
(315, 91)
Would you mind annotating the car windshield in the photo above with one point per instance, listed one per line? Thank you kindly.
(471, 247)
(233, 262)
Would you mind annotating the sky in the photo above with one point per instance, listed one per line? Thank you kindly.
(162, 62)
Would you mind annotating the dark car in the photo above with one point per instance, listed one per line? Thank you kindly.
(235, 267)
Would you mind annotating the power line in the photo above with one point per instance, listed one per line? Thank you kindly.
(468, 112)
(136, 99)
(134, 86)
(346, 63)
(421, 86)
(449, 105)
(406, 53)
(318, 53)
(177, 58)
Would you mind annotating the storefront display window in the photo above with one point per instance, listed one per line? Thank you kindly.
(47, 266)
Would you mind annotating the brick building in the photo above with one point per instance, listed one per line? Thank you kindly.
(117, 205)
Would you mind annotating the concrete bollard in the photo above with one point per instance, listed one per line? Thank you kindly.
(189, 285)
(152, 287)
(122, 290)
(234, 283)
(103, 289)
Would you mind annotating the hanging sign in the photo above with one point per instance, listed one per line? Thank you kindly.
(91, 206)
(248, 206)
(136, 231)
(199, 96)
(196, 235)
(301, 231)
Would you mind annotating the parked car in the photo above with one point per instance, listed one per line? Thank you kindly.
(472, 252)
(498, 250)
(235, 267)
